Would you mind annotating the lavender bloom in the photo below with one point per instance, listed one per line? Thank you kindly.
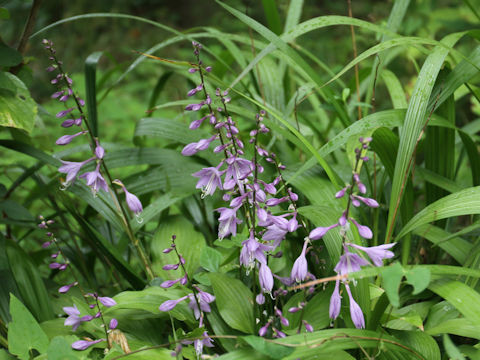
(72, 168)
(260, 299)
(228, 222)
(335, 302)
(67, 139)
(300, 267)
(349, 262)
(85, 344)
(64, 289)
(320, 232)
(263, 330)
(113, 324)
(265, 278)
(355, 311)
(95, 180)
(193, 148)
(367, 201)
(308, 327)
(363, 230)
(209, 180)
(170, 304)
(106, 301)
(376, 253)
(200, 343)
(253, 250)
(64, 112)
(204, 299)
(73, 318)
(238, 169)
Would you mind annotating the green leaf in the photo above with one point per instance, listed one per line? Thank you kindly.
(464, 202)
(17, 108)
(419, 278)
(60, 348)
(4, 14)
(24, 333)
(168, 129)
(189, 243)
(29, 283)
(242, 354)
(234, 301)
(270, 349)
(210, 259)
(91, 89)
(422, 343)
(415, 121)
(8, 56)
(391, 279)
(451, 350)
(273, 18)
(464, 298)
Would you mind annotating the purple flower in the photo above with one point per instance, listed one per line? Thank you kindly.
(363, 230)
(99, 151)
(349, 262)
(64, 112)
(106, 301)
(238, 169)
(95, 180)
(209, 180)
(253, 250)
(113, 324)
(367, 201)
(71, 168)
(204, 299)
(85, 344)
(355, 311)
(376, 253)
(169, 283)
(263, 330)
(64, 289)
(260, 299)
(300, 267)
(193, 148)
(228, 222)
(170, 304)
(200, 343)
(67, 139)
(73, 318)
(320, 232)
(265, 278)
(133, 202)
(308, 327)
(335, 302)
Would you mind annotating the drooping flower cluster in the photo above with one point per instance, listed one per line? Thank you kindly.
(76, 118)
(199, 300)
(351, 262)
(238, 178)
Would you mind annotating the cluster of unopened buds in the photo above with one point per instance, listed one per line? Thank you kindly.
(74, 319)
(351, 262)
(76, 117)
(199, 300)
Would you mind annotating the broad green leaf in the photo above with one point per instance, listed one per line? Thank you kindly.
(451, 350)
(415, 120)
(17, 108)
(60, 348)
(24, 333)
(154, 209)
(464, 202)
(234, 301)
(419, 278)
(135, 303)
(464, 298)
(460, 327)
(391, 279)
(210, 259)
(272, 350)
(189, 243)
(422, 343)
(242, 354)
(4, 14)
(456, 247)
(395, 90)
(169, 129)
(473, 156)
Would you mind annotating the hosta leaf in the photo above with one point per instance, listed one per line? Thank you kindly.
(24, 333)
(234, 301)
(17, 108)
